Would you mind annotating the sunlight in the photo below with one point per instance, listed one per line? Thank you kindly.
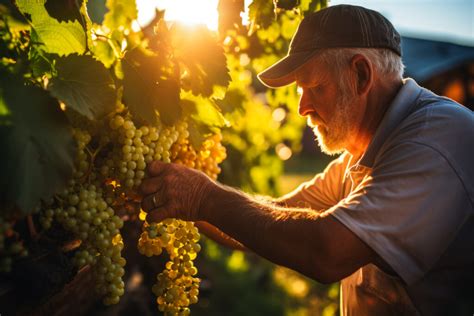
(191, 12)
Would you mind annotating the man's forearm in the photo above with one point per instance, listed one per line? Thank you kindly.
(289, 237)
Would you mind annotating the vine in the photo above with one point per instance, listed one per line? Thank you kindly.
(85, 105)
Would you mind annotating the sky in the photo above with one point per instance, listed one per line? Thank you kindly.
(449, 20)
(446, 20)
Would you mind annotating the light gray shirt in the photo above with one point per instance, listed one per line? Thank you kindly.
(411, 199)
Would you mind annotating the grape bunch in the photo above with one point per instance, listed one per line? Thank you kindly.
(207, 159)
(82, 210)
(109, 168)
(176, 287)
(134, 147)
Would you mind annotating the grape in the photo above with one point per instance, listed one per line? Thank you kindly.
(109, 167)
(206, 159)
(83, 210)
(176, 287)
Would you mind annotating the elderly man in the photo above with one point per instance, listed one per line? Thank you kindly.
(393, 217)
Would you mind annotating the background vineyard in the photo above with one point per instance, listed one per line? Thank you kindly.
(73, 66)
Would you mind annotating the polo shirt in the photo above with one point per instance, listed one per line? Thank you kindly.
(410, 197)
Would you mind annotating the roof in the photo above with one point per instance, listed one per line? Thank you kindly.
(425, 58)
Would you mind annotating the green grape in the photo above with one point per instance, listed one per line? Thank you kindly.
(206, 159)
(176, 287)
(84, 209)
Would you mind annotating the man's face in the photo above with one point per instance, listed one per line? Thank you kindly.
(331, 108)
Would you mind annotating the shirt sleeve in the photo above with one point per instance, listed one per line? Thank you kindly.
(409, 209)
(323, 191)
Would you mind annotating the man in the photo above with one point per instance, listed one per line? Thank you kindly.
(392, 218)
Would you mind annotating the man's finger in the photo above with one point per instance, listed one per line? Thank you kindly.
(150, 185)
(158, 215)
(155, 168)
(153, 201)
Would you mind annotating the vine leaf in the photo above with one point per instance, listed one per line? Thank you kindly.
(205, 117)
(84, 85)
(121, 14)
(103, 51)
(37, 145)
(148, 88)
(261, 14)
(309, 6)
(62, 38)
(204, 63)
(233, 101)
(64, 10)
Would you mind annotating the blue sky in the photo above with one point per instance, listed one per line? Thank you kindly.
(447, 20)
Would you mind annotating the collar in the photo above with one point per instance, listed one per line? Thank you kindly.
(395, 114)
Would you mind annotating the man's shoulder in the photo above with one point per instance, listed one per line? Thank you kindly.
(437, 120)
(440, 128)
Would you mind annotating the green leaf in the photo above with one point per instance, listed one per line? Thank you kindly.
(37, 145)
(203, 60)
(261, 14)
(309, 6)
(121, 14)
(39, 63)
(233, 101)
(10, 15)
(103, 51)
(84, 85)
(62, 38)
(203, 111)
(148, 88)
(205, 117)
(64, 10)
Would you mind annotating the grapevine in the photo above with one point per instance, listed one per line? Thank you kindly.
(84, 113)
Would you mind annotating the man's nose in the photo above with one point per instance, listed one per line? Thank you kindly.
(305, 105)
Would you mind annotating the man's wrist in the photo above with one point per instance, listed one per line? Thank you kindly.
(207, 204)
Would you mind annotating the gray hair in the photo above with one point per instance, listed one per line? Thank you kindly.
(386, 63)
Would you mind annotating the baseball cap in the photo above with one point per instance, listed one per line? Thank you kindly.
(333, 27)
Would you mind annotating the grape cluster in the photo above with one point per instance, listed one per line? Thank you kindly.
(206, 159)
(82, 210)
(109, 168)
(176, 287)
(134, 147)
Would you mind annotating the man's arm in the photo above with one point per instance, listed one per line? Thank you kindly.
(316, 245)
(218, 236)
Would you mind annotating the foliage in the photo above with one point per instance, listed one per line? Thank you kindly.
(64, 68)
(36, 143)
(118, 66)
(252, 161)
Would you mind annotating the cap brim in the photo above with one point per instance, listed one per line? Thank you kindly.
(283, 72)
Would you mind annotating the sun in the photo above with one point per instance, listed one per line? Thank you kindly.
(189, 12)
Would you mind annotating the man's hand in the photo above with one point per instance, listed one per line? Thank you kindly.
(174, 191)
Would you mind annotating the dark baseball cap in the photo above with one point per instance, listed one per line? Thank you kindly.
(334, 27)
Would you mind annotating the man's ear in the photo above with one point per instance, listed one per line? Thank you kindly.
(364, 72)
